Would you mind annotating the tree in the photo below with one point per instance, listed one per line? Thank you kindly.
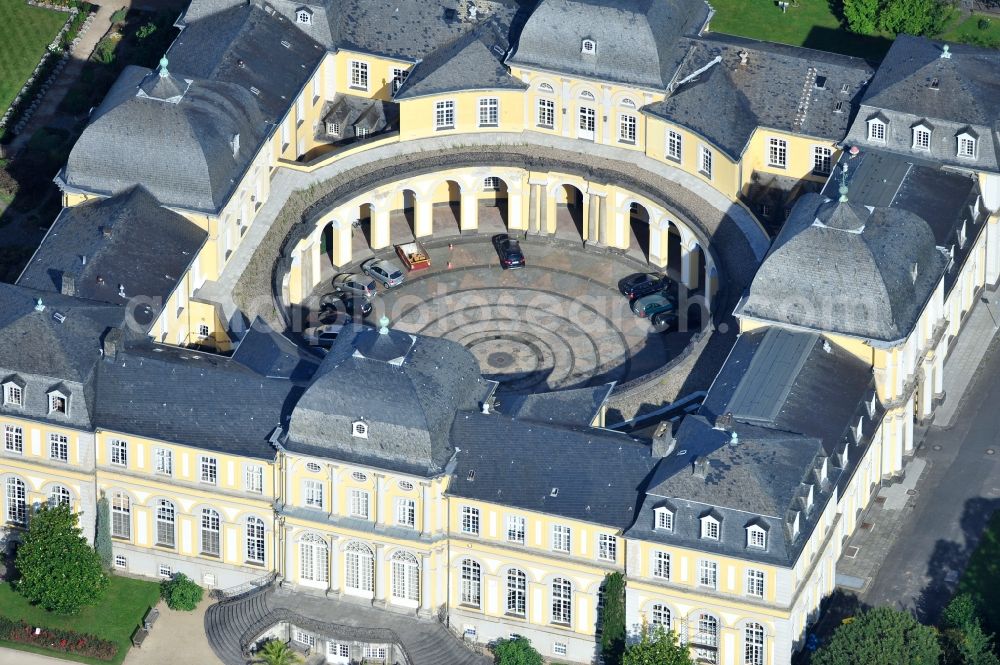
(102, 538)
(59, 570)
(181, 592)
(613, 624)
(965, 641)
(276, 652)
(881, 636)
(515, 651)
(862, 15)
(914, 17)
(657, 646)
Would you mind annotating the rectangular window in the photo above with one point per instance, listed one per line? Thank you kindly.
(491, 183)
(777, 153)
(163, 461)
(661, 565)
(755, 583)
(300, 110)
(253, 478)
(665, 520)
(921, 139)
(59, 447)
(119, 452)
(165, 571)
(757, 537)
(470, 520)
(626, 128)
(317, 83)
(966, 147)
(705, 162)
(13, 439)
(444, 115)
(876, 132)
(709, 529)
(398, 76)
(515, 529)
(302, 637)
(562, 537)
(359, 504)
(338, 649)
(375, 651)
(708, 574)
(120, 561)
(313, 493)
(361, 132)
(359, 75)
(546, 113)
(489, 112)
(559, 649)
(13, 395)
(674, 145)
(406, 512)
(822, 160)
(209, 470)
(607, 547)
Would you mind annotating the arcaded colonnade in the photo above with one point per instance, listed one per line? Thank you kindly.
(530, 202)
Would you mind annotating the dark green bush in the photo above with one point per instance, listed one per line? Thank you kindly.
(181, 592)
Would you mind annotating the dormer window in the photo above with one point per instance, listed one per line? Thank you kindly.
(58, 403)
(589, 47)
(359, 428)
(876, 130)
(967, 146)
(664, 519)
(810, 497)
(823, 470)
(921, 137)
(303, 16)
(795, 525)
(710, 527)
(871, 405)
(859, 430)
(13, 394)
(756, 537)
(235, 143)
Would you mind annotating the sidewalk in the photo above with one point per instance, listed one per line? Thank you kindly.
(14, 657)
(967, 353)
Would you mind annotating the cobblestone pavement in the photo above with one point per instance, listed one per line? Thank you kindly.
(558, 323)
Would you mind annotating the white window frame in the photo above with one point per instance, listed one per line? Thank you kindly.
(163, 461)
(711, 528)
(121, 516)
(628, 128)
(17, 500)
(358, 75)
(121, 561)
(516, 529)
(675, 145)
(705, 161)
(314, 559)
(13, 395)
(822, 160)
(406, 512)
(921, 138)
(313, 494)
(755, 584)
(517, 592)
(708, 574)
(777, 152)
(211, 533)
(756, 538)
(118, 454)
(877, 130)
(660, 615)
(13, 439)
(754, 644)
(559, 648)
(561, 590)
(360, 504)
(359, 429)
(166, 524)
(208, 469)
(659, 566)
(588, 47)
(59, 495)
(664, 519)
(562, 538)
(489, 112)
(404, 577)
(546, 115)
(253, 478)
(58, 447)
(469, 518)
(607, 547)
(444, 114)
(359, 569)
(398, 78)
(962, 141)
(304, 17)
(255, 537)
(471, 589)
(304, 638)
(56, 399)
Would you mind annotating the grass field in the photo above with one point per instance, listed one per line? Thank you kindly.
(969, 31)
(812, 23)
(117, 615)
(25, 31)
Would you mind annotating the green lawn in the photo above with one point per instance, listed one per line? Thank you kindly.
(981, 578)
(25, 31)
(117, 615)
(812, 23)
(969, 31)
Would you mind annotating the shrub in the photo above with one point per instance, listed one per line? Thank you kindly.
(516, 651)
(6, 627)
(181, 592)
(984, 24)
(119, 16)
(145, 30)
(66, 641)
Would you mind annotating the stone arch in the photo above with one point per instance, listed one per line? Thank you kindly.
(566, 218)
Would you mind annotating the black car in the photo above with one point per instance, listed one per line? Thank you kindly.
(509, 250)
(337, 304)
(642, 284)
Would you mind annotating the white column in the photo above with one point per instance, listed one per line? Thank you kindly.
(423, 215)
(380, 572)
(334, 487)
(470, 209)
(343, 247)
(927, 390)
(380, 484)
(425, 583)
(939, 370)
(992, 250)
(381, 207)
(425, 502)
(289, 555)
(908, 426)
(687, 267)
(334, 585)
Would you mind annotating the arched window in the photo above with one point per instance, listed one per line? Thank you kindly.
(303, 16)
(359, 568)
(405, 576)
(471, 583)
(705, 640)
(753, 644)
(59, 496)
(562, 601)
(17, 501)
(211, 543)
(545, 87)
(586, 94)
(660, 616)
(166, 516)
(121, 515)
(314, 562)
(628, 103)
(517, 592)
(255, 540)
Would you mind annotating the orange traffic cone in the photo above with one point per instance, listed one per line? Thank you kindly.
(450, 247)
(449, 265)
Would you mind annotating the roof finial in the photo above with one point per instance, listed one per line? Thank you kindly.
(39, 305)
(163, 66)
(843, 183)
(383, 325)
(945, 51)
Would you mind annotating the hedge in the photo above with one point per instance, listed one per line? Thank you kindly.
(66, 641)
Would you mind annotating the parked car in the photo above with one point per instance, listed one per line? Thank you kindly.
(509, 250)
(642, 284)
(354, 284)
(339, 304)
(323, 336)
(654, 304)
(384, 272)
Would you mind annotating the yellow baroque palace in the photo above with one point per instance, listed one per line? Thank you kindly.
(277, 139)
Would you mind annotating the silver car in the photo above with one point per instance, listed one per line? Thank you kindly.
(384, 272)
(354, 285)
(323, 336)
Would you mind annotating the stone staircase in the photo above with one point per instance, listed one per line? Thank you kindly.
(227, 620)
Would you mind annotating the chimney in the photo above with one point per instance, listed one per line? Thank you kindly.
(68, 285)
(699, 468)
(111, 342)
(663, 440)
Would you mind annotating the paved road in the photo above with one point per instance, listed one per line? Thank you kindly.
(958, 491)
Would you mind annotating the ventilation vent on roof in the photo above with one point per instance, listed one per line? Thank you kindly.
(846, 88)
(820, 82)
(254, 90)
(269, 9)
(498, 50)
(914, 271)
(838, 107)
(554, 493)
(59, 317)
(471, 476)
(286, 44)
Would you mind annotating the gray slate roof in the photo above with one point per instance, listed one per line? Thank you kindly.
(273, 355)
(776, 89)
(836, 267)
(575, 406)
(190, 398)
(40, 352)
(474, 61)
(128, 240)
(599, 474)
(637, 40)
(407, 389)
(182, 151)
(967, 97)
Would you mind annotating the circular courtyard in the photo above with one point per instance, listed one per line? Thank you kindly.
(560, 322)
